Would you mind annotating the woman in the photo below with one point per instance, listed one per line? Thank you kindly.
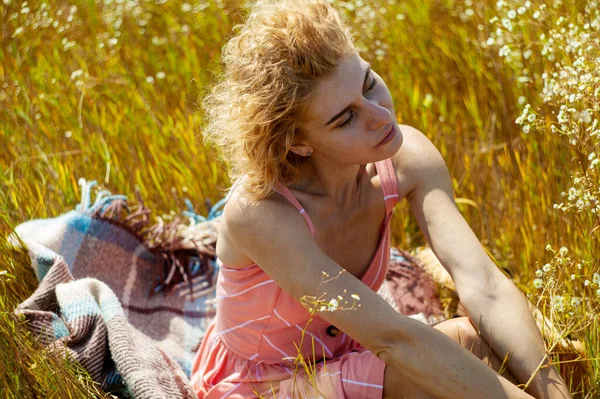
(310, 135)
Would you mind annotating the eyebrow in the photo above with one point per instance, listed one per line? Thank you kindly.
(342, 112)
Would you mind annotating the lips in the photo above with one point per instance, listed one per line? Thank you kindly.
(390, 132)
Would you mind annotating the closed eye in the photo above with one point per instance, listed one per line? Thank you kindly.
(352, 112)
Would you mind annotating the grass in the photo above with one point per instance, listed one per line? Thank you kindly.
(109, 91)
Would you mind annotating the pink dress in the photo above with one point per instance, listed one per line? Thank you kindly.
(257, 325)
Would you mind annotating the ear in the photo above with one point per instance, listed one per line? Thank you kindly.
(300, 146)
(301, 149)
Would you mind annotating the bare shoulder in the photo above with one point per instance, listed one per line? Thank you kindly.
(416, 160)
(242, 221)
(242, 217)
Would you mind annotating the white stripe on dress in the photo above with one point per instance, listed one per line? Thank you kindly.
(231, 390)
(390, 196)
(318, 340)
(230, 269)
(233, 269)
(242, 325)
(365, 384)
(246, 290)
(271, 343)
(284, 320)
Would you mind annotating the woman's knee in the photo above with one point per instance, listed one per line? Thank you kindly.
(462, 331)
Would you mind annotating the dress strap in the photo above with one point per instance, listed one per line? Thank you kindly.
(389, 183)
(283, 190)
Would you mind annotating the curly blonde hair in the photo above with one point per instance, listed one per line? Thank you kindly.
(271, 68)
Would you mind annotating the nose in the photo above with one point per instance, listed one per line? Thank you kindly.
(378, 116)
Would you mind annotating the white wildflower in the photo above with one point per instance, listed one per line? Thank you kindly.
(538, 283)
(547, 267)
(575, 301)
(559, 303)
(333, 305)
(76, 74)
(428, 100)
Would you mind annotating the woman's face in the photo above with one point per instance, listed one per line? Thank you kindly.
(349, 116)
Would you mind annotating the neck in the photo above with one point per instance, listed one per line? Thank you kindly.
(338, 184)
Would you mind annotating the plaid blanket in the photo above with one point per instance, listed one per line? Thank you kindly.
(131, 301)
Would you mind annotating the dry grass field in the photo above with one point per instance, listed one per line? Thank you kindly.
(507, 90)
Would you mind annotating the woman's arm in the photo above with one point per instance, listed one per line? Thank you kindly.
(275, 236)
(492, 302)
